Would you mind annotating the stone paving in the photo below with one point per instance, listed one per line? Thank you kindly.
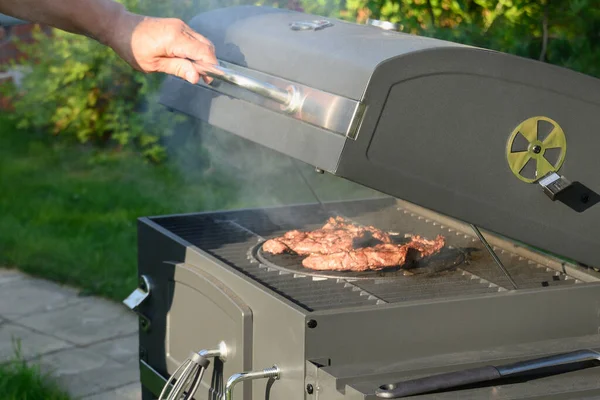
(88, 344)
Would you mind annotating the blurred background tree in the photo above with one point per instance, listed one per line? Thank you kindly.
(561, 32)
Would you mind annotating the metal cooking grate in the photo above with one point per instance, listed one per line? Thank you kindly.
(230, 236)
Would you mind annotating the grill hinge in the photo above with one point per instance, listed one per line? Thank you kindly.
(136, 298)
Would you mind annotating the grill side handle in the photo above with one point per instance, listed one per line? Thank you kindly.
(479, 375)
(438, 382)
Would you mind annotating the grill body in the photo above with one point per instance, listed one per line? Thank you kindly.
(345, 338)
(422, 120)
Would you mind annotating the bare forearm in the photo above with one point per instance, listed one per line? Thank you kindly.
(147, 44)
(93, 18)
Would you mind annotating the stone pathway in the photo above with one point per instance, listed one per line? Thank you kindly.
(90, 345)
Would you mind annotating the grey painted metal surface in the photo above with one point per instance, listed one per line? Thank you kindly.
(277, 131)
(8, 21)
(357, 347)
(436, 133)
(579, 381)
(277, 327)
(437, 129)
(439, 119)
(324, 110)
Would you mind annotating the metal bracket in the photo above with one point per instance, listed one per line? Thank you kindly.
(310, 25)
(136, 298)
(553, 184)
(385, 25)
(152, 380)
(494, 256)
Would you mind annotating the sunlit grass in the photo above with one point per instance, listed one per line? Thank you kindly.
(20, 380)
(69, 213)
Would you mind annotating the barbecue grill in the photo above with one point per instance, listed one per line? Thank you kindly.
(464, 142)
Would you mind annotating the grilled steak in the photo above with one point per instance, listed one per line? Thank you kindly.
(373, 258)
(360, 231)
(341, 245)
(427, 247)
(335, 236)
(369, 258)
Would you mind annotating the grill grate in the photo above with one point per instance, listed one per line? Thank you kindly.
(230, 236)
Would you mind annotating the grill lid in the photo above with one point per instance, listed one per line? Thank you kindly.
(328, 54)
(478, 135)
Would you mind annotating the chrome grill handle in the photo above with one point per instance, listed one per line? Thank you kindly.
(483, 374)
(289, 98)
(269, 373)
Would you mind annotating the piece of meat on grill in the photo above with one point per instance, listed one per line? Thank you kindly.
(373, 258)
(324, 242)
(369, 258)
(335, 236)
(319, 241)
(282, 244)
(425, 246)
(275, 247)
(341, 223)
(337, 247)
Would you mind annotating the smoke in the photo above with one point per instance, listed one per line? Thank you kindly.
(231, 172)
(256, 176)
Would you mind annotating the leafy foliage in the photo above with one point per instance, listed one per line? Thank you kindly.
(77, 88)
(80, 89)
(21, 380)
(564, 32)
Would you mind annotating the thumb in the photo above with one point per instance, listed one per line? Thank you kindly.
(179, 67)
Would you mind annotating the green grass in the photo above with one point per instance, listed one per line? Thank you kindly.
(22, 381)
(68, 212)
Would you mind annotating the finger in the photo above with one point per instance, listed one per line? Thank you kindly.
(190, 47)
(181, 68)
(203, 70)
(202, 57)
(199, 37)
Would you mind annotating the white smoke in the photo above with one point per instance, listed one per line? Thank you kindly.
(260, 176)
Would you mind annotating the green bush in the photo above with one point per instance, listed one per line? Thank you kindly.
(563, 32)
(79, 89)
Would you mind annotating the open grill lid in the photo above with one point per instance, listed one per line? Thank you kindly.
(470, 133)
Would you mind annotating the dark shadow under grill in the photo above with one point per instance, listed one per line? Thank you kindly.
(231, 237)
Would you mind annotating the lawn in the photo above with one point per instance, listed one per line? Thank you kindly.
(22, 381)
(68, 212)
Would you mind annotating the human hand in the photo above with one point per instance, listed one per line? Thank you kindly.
(162, 45)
